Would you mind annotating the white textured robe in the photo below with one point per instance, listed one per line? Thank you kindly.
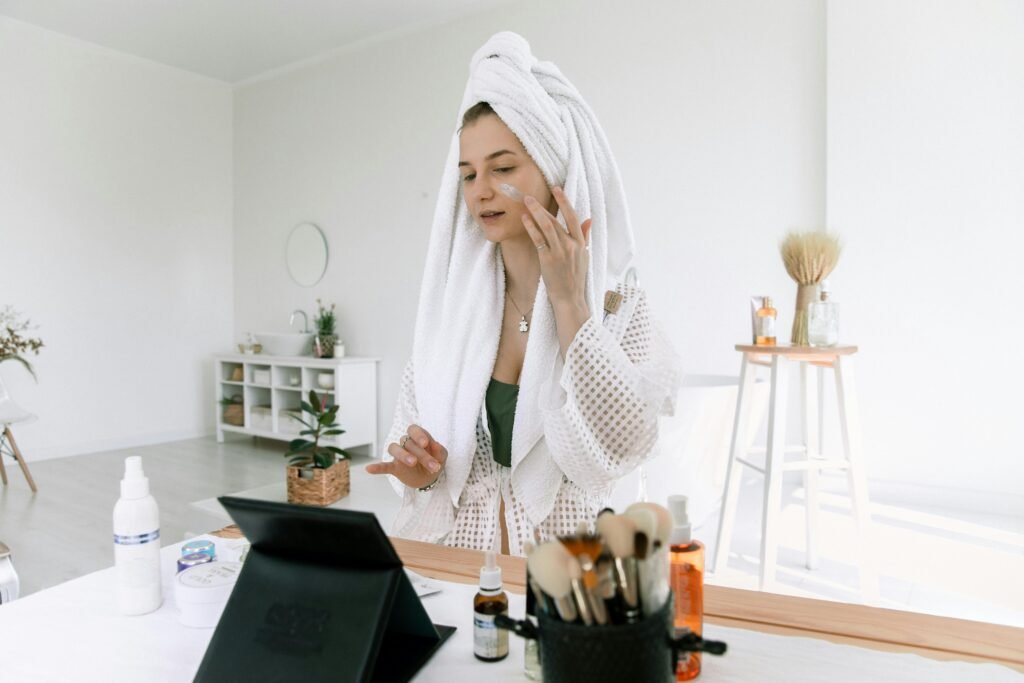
(599, 422)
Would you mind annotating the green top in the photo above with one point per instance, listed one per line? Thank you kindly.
(501, 413)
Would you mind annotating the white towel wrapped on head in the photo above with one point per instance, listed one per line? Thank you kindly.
(458, 323)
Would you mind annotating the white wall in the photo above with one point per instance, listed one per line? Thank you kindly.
(115, 236)
(715, 112)
(926, 184)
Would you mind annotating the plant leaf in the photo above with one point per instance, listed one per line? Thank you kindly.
(314, 400)
(298, 446)
(308, 432)
(309, 409)
(332, 432)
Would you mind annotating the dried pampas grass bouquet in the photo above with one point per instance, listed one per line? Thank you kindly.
(809, 258)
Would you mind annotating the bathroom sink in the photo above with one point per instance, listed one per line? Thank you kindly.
(286, 343)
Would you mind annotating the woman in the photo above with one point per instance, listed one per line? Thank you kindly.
(527, 396)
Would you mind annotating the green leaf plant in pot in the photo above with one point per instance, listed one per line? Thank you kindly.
(318, 474)
(326, 331)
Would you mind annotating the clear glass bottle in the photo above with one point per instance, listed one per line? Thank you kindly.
(823, 320)
(686, 572)
(765, 323)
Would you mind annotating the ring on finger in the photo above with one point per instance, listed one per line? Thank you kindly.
(542, 245)
(401, 442)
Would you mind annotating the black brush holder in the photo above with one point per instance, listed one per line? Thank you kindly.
(642, 651)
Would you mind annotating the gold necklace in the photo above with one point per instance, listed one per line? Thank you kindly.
(524, 324)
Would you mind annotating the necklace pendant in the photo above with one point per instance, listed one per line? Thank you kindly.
(523, 325)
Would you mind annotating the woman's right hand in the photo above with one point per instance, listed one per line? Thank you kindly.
(417, 463)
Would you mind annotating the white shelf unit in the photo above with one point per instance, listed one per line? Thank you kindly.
(283, 382)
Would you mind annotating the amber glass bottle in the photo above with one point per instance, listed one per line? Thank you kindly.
(766, 318)
(490, 643)
(686, 572)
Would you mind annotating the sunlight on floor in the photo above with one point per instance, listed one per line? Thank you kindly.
(926, 562)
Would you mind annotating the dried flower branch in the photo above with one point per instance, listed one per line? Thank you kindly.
(14, 342)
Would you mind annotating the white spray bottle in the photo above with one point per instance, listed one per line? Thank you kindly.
(137, 543)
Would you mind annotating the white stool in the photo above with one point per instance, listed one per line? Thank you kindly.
(839, 360)
(12, 413)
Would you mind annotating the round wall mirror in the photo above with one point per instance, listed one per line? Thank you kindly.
(307, 254)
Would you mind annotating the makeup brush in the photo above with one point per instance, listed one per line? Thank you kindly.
(663, 522)
(535, 599)
(646, 532)
(579, 592)
(652, 565)
(548, 566)
(619, 532)
(590, 585)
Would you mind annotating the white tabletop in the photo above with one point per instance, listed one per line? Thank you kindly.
(72, 632)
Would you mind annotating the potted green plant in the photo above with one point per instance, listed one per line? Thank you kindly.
(234, 410)
(318, 474)
(326, 332)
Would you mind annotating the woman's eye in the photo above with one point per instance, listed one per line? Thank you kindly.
(504, 170)
(467, 178)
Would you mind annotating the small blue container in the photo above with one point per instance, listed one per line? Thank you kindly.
(205, 547)
(192, 560)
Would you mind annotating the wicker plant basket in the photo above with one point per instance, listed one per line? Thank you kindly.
(324, 487)
(234, 414)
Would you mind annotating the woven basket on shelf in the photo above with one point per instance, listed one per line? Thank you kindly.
(325, 487)
(234, 412)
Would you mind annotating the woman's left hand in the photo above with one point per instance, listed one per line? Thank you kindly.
(563, 254)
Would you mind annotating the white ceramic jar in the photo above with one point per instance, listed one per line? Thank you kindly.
(202, 592)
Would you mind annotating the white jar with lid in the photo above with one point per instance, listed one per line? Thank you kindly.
(202, 592)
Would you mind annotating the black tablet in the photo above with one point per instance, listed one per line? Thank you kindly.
(322, 596)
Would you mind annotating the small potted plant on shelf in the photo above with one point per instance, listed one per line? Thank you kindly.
(234, 410)
(326, 334)
(317, 474)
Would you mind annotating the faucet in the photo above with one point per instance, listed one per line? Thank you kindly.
(305, 319)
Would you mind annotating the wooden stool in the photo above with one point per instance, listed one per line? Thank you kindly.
(840, 360)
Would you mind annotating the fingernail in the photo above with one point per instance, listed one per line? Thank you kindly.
(422, 443)
(434, 467)
(410, 461)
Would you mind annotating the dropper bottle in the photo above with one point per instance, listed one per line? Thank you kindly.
(490, 643)
(686, 572)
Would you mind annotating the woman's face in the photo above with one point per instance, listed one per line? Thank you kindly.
(490, 155)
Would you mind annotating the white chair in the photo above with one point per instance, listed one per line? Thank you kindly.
(11, 413)
(692, 453)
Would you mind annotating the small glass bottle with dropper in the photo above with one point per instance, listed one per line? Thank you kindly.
(490, 643)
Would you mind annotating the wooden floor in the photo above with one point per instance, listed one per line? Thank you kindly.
(64, 530)
(932, 561)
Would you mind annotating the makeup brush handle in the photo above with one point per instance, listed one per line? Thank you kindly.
(597, 607)
(566, 608)
(525, 628)
(582, 602)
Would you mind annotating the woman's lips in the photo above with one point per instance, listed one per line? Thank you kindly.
(492, 218)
